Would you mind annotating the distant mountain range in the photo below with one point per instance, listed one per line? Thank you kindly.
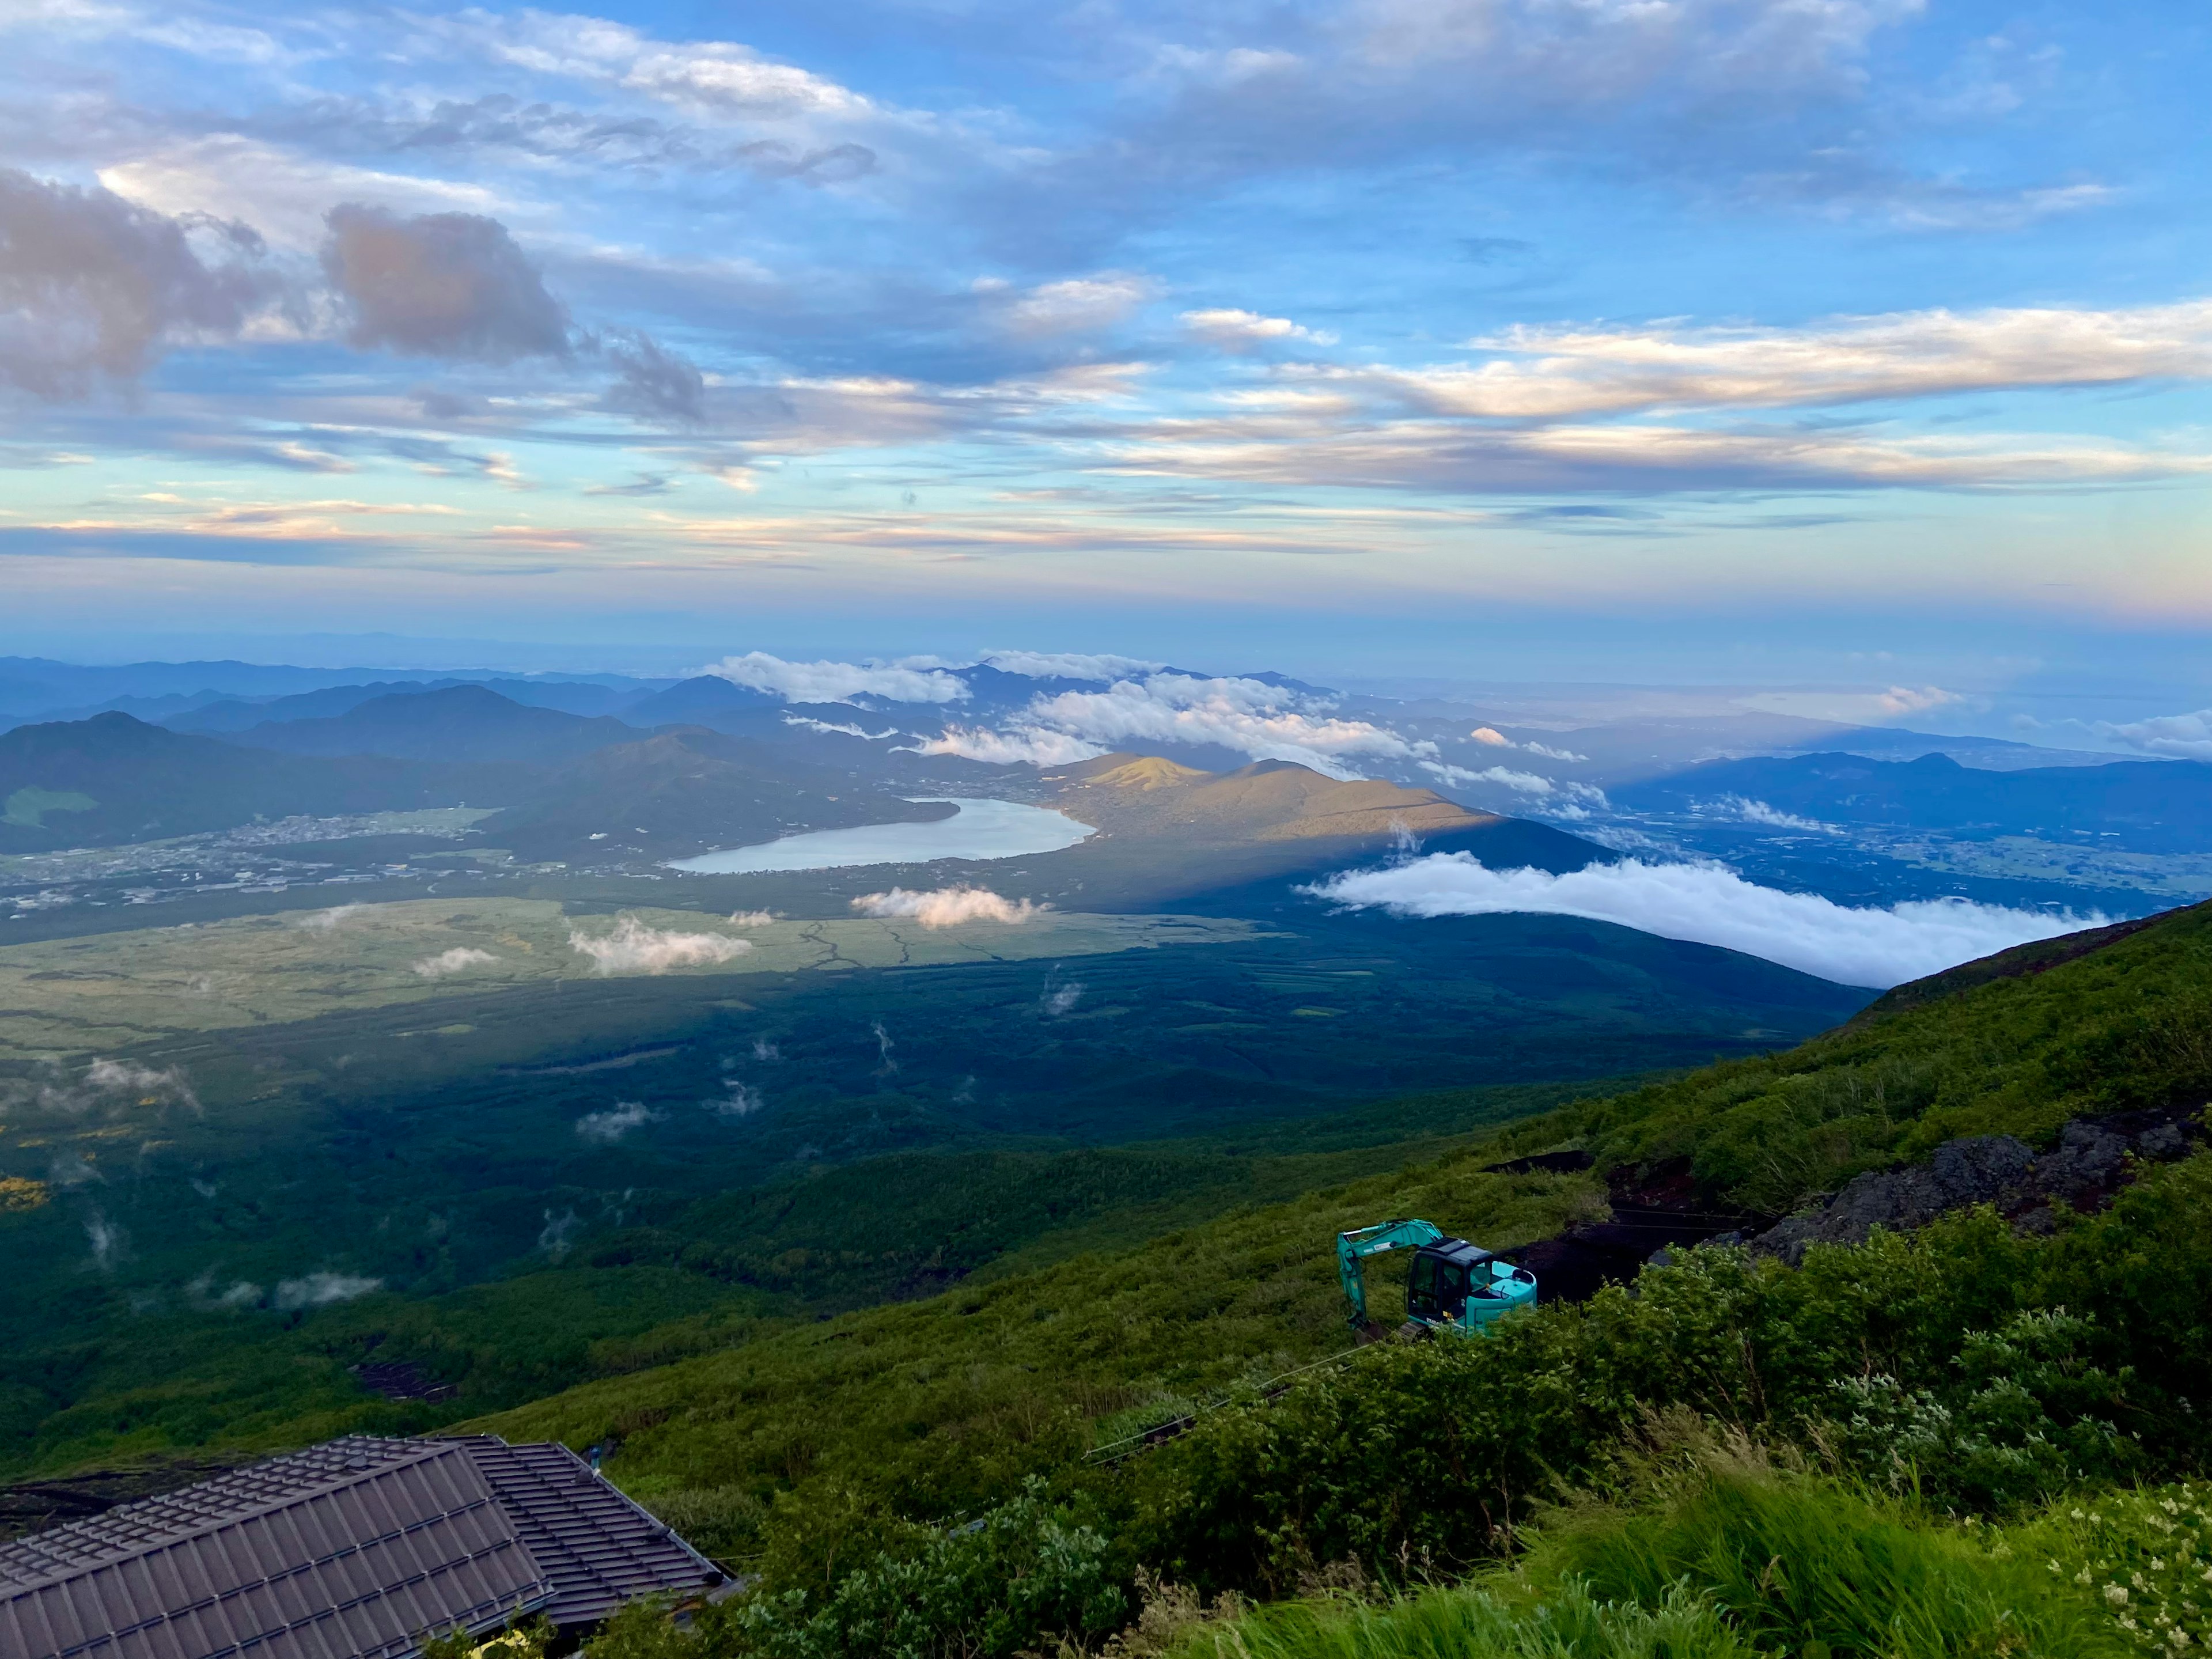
(113, 779)
(2160, 806)
(457, 723)
(687, 790)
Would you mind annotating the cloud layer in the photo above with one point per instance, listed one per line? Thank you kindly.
(1710, 904)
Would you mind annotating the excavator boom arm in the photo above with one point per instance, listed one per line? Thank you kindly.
(1356, 1246)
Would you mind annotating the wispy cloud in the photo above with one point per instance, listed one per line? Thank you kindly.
(1710, 904)
(1031, 745)
(1748, 811)
(1265, 721)
(837, 682)
(605, 1128)
(320, 1290)
(457, 960)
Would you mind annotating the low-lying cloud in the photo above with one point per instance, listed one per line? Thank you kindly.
(320, 1290)
(1069, 664)
(1491, 737)
(738, 1100)
(1563, 797)
(2180, 736)
(605, 1128)
(1252, 717)
(632, 947)
(838, 682)
(324, 921)
(458, 960)
(1031, 745)
(1710, 904)
(946, 907)
(840, 728)
(1745, 810)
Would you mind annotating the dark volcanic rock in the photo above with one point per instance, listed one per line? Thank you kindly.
(2089, 1164)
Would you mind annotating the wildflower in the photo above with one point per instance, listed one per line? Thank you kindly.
(2117, 1595)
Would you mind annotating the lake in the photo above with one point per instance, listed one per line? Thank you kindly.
(980, 829)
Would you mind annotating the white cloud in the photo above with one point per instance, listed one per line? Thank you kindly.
(1028, 745)
(1069, 664)
(1080, 305)
(110, 1243)
(283, 194)
(1557, 373)
(2184, 737)
(149, 1087)
(1521, 783)
(946, 907)
(1491, 737)
(837, 682)
(324, 922)
(1711, 904)
(1758, 812)
(841, 729)
(1341, 442)
(1249, 716)
(738, 1100)
(1243, 330)
(631, 947)
(605, 1128)
(460, 958)
(320, 1290)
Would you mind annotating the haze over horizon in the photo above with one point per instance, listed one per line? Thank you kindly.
(1724, 343)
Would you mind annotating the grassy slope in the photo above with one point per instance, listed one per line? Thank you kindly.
(935, 1406)
(939, 1405)
(2028, 1040)
(738, 1267)
(437, 1147)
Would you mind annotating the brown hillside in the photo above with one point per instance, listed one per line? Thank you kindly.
(1268, 800)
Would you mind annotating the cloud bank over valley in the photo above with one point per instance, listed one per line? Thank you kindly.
(1710, 904)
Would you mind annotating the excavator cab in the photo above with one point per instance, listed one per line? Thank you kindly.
(1450, 1284)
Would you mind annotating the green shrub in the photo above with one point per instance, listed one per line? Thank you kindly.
(2145, 1557)
(1027, 1574)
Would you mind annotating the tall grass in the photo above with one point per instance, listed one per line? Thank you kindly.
(1469, 1623)
(1802, 1565)
(1715, 1552)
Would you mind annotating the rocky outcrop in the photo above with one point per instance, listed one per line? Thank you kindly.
(2089, 1164)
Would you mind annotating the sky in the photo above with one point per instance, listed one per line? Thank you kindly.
(1848, 345)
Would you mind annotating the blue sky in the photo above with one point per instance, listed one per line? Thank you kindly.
(1837, 342)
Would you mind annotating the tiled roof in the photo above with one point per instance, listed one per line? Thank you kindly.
(351, 1550)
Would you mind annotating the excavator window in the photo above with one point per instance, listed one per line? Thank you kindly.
(1436, 1289)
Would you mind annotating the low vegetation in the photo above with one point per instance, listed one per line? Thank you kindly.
(1960, 1441)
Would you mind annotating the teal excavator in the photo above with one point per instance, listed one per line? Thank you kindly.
(1451, 1285)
